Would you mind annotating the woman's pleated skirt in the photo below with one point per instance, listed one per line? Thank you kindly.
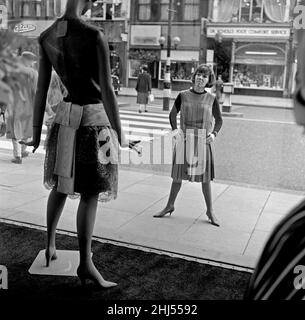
(181, 169)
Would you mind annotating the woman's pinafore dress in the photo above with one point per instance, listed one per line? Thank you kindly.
(191, 152)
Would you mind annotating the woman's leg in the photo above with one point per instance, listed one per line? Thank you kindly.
(86, 214)
(207, 192)
(16, 152)
(56, 203)
(170, 206)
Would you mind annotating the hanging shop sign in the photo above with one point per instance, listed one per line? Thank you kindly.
(30, 28)
(254, 32)
(26, 27)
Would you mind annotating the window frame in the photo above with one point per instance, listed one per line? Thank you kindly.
(104, 4)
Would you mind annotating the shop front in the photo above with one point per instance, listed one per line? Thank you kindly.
(117, 41)
(139, 57)
(257, 60)
(259, 69)
(183, 64)
(144, 49)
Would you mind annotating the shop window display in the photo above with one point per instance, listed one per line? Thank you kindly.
(134, 68)
(179, 70)
(258, 76)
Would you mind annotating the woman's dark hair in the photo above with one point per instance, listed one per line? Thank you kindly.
(206, 70)
(145, 67)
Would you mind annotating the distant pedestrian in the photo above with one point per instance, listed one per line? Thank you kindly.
(280, 271)
(219, 88)
(23, 82)
(143, 88)
(198, 109)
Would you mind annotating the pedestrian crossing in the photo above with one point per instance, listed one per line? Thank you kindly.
(145, 126)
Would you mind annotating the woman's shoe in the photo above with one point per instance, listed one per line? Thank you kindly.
(50, 254)
(212, 219)
(101, 283)
(140, 111)
(164, 212)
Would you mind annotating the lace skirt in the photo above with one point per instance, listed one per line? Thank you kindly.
(91, 176)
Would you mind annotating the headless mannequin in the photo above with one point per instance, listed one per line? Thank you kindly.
(86, 212)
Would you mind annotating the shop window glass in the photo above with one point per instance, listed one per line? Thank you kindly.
(50, 8)
(38, 9)
(225, 11)
(191, 10)
(252, 10)
(245, 10)
(26, 10)
(134, 68)
(102, 10)
(164, 6)
(257, 11)
(258, 76)
(277, 10)
(98, 10)
(179, 70)
(117, 10)
(144, 9)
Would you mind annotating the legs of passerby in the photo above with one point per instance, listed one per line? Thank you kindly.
(86, 214)
(207, 192)
(19, 151)
(24, 153)
(170, 206)
(16, 152)
(56, 203)
(140, 108)
(145, 108)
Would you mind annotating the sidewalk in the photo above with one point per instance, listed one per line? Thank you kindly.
(247, 215)
(237, 100)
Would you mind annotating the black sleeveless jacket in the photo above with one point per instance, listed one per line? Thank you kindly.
(74, 58)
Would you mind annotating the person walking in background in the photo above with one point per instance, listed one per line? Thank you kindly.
(280, 271)
(56, 93)
(143, 88)
(23, 81)
(219, 88)
(86, 132)
(197, 108)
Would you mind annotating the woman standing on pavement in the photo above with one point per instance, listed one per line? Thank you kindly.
(143, 88)
(84, 137)
(193, 157)
(23, 80)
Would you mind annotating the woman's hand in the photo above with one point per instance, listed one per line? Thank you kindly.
(210, 138)
(33, 143)
(36, 139)
(174, 133)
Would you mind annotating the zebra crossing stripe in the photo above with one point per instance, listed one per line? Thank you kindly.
(136, 127)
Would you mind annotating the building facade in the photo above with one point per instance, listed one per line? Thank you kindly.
(149, 21)
(31, 17)
(113, 17)
(250, 42)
